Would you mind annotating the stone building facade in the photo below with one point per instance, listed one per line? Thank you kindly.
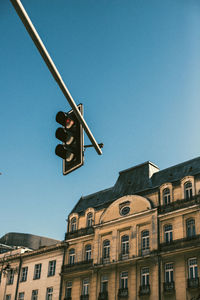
(27, 274)
(139, 239)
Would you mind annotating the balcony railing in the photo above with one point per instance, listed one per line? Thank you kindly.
(123, 256)
(103, 296)
(144, 290)
(105, 260)
(169, 287)
(145, 251)
(180, 243)
(193, 283)
(179, 204)
(123, 293)
(84, 297)
(80, 232)
(81, 265)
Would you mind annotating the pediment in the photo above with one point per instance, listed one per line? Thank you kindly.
(125, 206)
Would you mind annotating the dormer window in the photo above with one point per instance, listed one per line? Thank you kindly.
(166, 196)
(73, 224)
(89, 219)
(188, 190)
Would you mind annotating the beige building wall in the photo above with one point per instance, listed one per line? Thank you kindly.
(28, 260)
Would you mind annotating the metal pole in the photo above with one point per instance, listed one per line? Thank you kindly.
(52, 68)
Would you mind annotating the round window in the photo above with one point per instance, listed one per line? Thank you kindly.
(125, 210)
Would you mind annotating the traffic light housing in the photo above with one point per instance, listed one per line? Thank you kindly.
(71, 136)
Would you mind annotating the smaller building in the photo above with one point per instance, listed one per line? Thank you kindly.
(32, 274)
(5, 248)
(31, 241)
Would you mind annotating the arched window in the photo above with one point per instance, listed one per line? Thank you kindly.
(166, 196)
(190, 227)
(88, 252)
(106, 249)
(89, 219)
(125, 244)
(73, 224)
(145, 239)
(72, 256)
(168, 233)
(188, 190)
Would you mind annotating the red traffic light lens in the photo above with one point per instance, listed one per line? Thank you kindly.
(69, 123)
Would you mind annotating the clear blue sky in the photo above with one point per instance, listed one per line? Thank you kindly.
(134, 64)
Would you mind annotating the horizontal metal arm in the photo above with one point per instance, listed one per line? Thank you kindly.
(52, 68)
(89, 146)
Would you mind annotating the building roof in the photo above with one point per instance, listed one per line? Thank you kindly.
(138, 179)
(26, 240)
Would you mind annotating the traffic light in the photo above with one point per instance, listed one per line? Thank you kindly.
(71, 134)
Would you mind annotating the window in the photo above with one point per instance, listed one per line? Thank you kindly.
(104, 283)
(52, 268)
(10, 276)
(193, 270)
(86, 284)
(37, 271)
(24, 274)
(89, 219)
(188, 190)
(168, 233)
(145, 276)
(8, 297)
(71, 256)
(49, 295)
(169, 272)
(34, 295)
(145, 240)
(125, 244)
(68, 291)
(106, 249)
(125, 210)
(88, 252)
(190, 227)
(124, 280)
(73, 224)
(166, 196)
(21, 296)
